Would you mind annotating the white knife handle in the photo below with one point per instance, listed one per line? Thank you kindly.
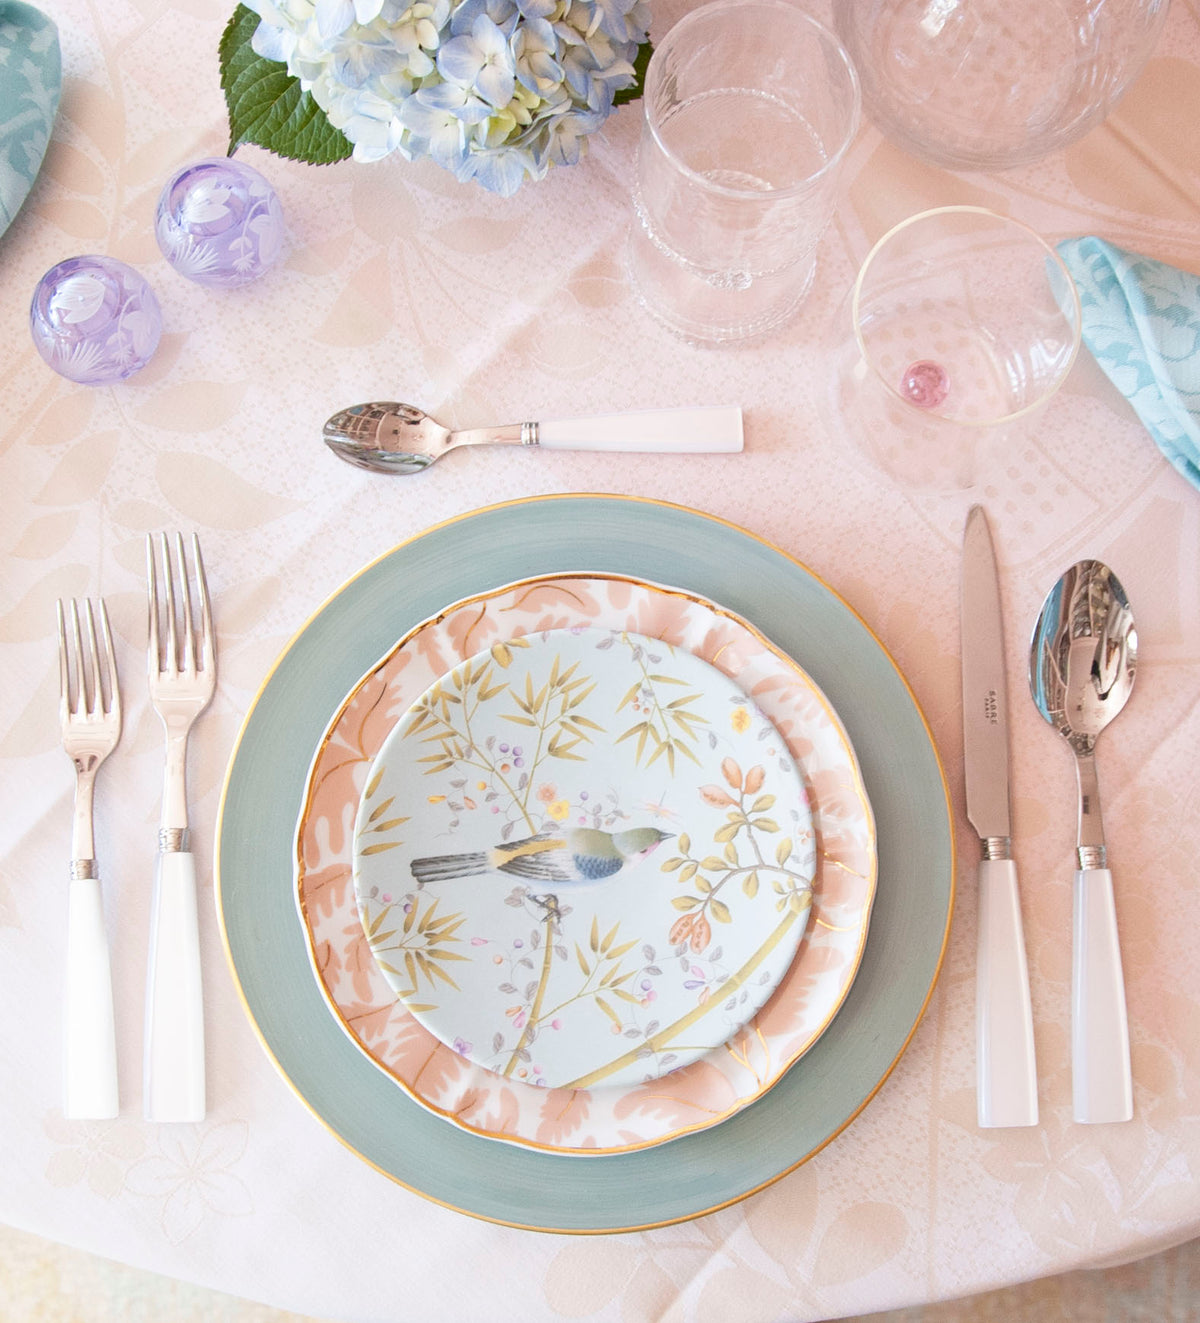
(1102, 1083)
(89, 1032)
(1006, 1080)
(174, 1049)
(712, 430)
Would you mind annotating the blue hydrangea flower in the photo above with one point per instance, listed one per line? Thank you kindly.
(496, 91)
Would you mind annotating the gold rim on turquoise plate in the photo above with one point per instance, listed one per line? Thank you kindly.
(693, 1175)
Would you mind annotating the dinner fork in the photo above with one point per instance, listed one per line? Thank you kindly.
(181, 665)
(90, 717)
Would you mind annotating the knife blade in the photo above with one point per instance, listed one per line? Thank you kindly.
(1006, 1069)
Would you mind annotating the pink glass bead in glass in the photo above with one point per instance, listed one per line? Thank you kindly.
(926, 384)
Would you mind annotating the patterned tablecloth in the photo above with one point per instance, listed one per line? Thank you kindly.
(398, 282)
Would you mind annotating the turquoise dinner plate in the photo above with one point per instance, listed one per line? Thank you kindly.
(696, 1173)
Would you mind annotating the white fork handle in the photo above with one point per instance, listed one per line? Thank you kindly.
(709, 430)
(89, 1034)
(1006, 1069)
(174, 1048)
(1102, 1084)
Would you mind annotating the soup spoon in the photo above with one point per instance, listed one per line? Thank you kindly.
(384, 437)
(1081, 667)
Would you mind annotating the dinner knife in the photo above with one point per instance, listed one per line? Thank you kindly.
(1006, 1071)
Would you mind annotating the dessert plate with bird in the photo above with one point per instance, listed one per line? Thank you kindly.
(518, 895)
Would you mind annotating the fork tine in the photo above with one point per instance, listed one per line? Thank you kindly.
(110, 660)
(152, 651)
(207, 654)
(80, 705)
(189, 635)
(64, 674)
(171, 661)
(96, 702)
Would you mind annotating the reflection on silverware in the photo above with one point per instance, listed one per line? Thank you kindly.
(1081, 668)
(385, 437)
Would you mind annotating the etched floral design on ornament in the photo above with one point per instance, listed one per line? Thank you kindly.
(219, 223)
(95, 320)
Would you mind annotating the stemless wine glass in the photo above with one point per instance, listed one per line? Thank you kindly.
(989, 84)
(961, 323)
(750, 106)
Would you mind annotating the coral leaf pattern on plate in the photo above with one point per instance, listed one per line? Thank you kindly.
(607, 1118)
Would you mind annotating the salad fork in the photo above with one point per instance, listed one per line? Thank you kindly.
(181, 666)
(90, 717)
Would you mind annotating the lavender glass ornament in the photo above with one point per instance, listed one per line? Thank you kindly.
(95, 320)
(219, 223)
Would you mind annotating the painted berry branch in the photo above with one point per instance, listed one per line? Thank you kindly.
(709, 876)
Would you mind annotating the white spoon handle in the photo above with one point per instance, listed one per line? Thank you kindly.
(1006, 1070)
(711, 430)
(1102, 1083)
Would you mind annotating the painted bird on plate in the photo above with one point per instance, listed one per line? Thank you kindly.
(578, 856)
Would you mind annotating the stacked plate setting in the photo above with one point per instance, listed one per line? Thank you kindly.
(774, 1012)
(482, 939)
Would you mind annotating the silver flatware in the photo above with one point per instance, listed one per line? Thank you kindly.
(1006, 1068)
(1081, 667)
(90, 717)
(400, 439)
(181, 665)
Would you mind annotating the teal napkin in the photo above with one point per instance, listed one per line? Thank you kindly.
(1141, 322)
(30, 86)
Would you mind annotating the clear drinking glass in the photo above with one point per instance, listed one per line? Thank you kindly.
(988, 84)
(961, 324)
(750, 106)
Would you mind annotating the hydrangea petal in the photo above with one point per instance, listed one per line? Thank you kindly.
(334, 17)
(447, 98)
(272, 43)
(501, 172)
(458, 61)
(496, 84)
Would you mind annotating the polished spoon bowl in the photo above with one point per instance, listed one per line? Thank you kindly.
(1081, 667)
(400, 439)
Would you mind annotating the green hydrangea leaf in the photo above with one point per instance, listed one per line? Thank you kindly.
(641, 63)
(266, 105)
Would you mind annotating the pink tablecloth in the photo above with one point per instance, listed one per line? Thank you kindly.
(400, 283)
